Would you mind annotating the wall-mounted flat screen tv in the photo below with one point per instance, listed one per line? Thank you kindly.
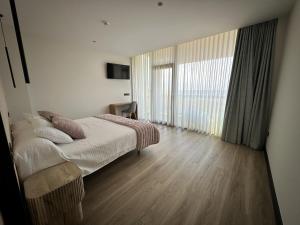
(117, 71)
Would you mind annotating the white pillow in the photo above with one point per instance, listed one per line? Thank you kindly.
(34, 154)
(29, 116)
(37, 121)
(40, 122)
(53, 134)
(20, 125)
(22, 130)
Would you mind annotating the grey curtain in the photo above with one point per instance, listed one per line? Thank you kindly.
(247, 111)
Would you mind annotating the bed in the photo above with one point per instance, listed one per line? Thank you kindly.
(105, 141)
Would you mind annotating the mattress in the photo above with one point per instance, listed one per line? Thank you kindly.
(105, 141)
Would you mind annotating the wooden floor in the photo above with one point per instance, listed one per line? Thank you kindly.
(187, 178)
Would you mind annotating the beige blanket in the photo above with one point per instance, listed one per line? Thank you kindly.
(147, 133)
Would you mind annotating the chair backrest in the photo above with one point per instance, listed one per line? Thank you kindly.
(133, 107)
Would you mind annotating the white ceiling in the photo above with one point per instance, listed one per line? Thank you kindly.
(138, 25)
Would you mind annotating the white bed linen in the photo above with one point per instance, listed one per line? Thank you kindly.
(105, 141)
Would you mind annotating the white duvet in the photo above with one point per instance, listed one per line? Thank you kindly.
(105, 141)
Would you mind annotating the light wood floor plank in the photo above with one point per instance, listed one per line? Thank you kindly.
(186, 179)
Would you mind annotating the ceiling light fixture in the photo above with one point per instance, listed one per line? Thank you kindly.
(105, 22)
(160, 4)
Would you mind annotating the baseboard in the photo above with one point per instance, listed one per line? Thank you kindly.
(273, 193)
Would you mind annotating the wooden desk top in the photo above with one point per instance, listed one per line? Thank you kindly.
(120, 104)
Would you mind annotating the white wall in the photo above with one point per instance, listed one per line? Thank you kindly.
(279, 49)
(283, 143)
(17, 98)
(72, 80)
(4, 111)
(65, 78)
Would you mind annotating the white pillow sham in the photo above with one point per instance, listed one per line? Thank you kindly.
(53, 134)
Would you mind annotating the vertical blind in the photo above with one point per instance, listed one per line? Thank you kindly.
(185, 85)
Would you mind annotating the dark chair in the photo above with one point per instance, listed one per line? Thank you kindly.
(131, 112)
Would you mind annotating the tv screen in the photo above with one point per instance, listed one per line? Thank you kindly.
(117, 71)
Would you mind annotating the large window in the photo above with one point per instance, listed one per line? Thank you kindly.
(186, 85)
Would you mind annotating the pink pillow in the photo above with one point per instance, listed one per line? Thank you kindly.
(68, 126)
(48, 115)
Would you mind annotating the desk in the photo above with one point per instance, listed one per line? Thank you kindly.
(117, 108)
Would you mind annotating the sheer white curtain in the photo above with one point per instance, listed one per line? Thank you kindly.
(141, 69)
(152, 81)
(203, 74)
(162, 83)
(185, 85)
